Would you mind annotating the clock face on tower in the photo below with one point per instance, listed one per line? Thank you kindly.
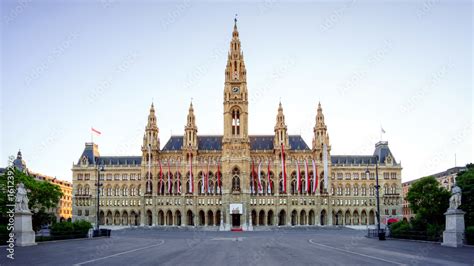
(235, 89)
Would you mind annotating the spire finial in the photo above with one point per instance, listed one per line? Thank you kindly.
(235, 20)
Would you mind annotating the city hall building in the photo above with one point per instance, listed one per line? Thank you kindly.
(236, 180)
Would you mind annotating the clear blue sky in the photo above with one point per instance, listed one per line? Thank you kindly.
(404, 65)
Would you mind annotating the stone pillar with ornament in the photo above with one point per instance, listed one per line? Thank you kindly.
(453, 236)
(24, 234)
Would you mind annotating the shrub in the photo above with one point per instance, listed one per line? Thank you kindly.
(76, 229)
(470, 235)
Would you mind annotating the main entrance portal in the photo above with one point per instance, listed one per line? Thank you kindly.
(235, 220)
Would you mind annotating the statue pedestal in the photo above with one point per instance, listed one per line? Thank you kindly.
(453, 236)
(24, 234)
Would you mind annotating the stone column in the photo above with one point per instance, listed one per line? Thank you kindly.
(453, 236)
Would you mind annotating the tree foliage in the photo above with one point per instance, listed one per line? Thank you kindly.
(465, 180)
(428, 200)
(42, 195)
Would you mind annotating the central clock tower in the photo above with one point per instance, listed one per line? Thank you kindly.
(235, 95)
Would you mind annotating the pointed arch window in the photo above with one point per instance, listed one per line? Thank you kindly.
(235, 179)
(235, 122)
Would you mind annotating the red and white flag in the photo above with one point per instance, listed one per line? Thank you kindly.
(260, 190)
(298, 177)
(161, 178)
(315, 177)
(283, 166)
(219, 178)
(178, 176)
(169, 178)
(269, 189)
(306, 179)
(97, 132)
(191, 179)
(252, 186)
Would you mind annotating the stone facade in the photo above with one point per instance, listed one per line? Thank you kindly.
(157, 189)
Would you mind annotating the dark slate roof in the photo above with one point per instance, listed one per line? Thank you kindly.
(260, 142)
(209, 143)
(88, 153)
(352, 159)
(382, 151)
(297, 143)
(91, 152)
(174, 143)
(120, 160)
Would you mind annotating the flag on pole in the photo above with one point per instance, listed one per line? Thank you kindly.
(252, 184)
(260, 190)
(219, 178)
(203, 178)
(169, 178)
(178, 176)
(207, 178)
(191, 180)
(161, 177)
(306, 179)
(315, 177)
(269, 187)
(325, 165)
(298, 176)
(283, 166)
(97, 132)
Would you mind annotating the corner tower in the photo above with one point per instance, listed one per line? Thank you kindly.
(321, 135)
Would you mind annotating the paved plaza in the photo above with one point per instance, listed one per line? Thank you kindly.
(324, 246)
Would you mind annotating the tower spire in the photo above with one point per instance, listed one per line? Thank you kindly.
(320, 136)
(281, 135)
(190, 130)
(151, 140)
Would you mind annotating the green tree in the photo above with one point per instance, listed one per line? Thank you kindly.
(465, 180)
(42, 195)
(428, 200)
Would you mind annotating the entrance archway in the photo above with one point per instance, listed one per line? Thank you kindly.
(324, 220)
(371, 217)
(169, 218)
(210, 218)
(261, 218)
(202, 218)
(190, 217)
(311, 217)
(303, 217)
(177, 218)
(254, 218)
(161, 218)
(235, 220)
(294, 215)
(282, 218)
(270, 217)
(149, 218)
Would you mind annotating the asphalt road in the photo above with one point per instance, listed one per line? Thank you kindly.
(282, 247)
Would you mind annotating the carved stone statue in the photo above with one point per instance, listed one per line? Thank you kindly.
(21, 202)
(455, 200)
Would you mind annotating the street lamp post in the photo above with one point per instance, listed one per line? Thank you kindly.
(381, 235)
(100, 168)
